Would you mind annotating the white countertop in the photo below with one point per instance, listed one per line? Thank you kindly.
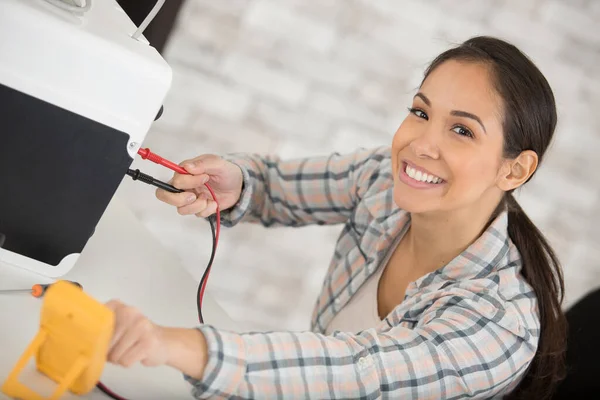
(122, 260)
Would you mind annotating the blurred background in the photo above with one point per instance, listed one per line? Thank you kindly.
(309, 77)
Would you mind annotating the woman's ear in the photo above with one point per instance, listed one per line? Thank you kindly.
(514, 173)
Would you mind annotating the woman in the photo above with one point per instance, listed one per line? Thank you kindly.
(440, 286)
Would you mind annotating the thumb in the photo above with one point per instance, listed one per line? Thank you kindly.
(211, 165)
(113, 304)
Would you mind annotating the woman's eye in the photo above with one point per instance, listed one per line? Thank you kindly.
(418, 113)
(461, 130)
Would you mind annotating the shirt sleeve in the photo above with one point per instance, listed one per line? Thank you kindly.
(455, 351)
(318, 190)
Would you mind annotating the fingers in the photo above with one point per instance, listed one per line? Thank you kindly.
(209, 210)
(176, 199)
(125, 317)
(113, 305)
(204, 164)
(117, 308)
(137, 353)
(186, 182)
(132, 355)
(188, 203)
(133, 330)
(203, 207)
(194, 208)
(133, 336)
(197, 203)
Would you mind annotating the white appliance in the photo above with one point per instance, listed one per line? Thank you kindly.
(79, 90)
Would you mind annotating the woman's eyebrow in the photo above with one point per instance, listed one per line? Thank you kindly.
(456, 113)
(465, 114)
(424, 98)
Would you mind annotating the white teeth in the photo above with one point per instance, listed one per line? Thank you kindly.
(421, 176)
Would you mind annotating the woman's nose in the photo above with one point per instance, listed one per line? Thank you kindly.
(425, 146)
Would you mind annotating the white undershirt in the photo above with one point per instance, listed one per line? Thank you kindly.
(361, 311)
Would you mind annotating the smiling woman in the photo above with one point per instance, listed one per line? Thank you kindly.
(439, 285)
(482, 120)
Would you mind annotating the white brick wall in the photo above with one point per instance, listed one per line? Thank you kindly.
(284, 22)
(265, 79)
(295, 124)
(572, 20)
(302, 77)
(315, 67)
(535, 36)
(212, 95)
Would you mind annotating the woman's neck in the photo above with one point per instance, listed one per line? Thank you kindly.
(435, 239)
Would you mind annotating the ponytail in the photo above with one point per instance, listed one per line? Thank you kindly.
(529, 118)
(543, 272)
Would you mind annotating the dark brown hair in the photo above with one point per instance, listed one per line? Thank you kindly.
(529, 120)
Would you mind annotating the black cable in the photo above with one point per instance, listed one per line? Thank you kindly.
(115, 396)
(138, 175)
(207, 270)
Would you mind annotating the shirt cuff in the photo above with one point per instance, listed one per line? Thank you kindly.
(236, 214)
(226, 365)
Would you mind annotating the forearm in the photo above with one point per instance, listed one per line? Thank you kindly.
(319, 190)
(430, 361)
(279, 193)
(187, 350)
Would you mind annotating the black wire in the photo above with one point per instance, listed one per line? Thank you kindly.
(207, 270)
(150, 180)
(211, 221)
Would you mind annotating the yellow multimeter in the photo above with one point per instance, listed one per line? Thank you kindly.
(71, 345)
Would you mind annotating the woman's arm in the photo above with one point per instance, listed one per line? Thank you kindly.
(319, 190)
(454, 352)
(464, 345)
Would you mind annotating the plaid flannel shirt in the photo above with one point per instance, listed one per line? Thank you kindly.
(467, 330)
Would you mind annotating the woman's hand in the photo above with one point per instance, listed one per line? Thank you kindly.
(137, 339)
(224, 178)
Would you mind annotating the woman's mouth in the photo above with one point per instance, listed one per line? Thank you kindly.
(417, 178)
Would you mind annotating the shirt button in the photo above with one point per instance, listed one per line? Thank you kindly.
(363, 363)
(337, 301)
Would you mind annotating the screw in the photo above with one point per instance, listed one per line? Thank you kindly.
(132, 145)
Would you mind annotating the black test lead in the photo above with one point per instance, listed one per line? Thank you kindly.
(138, 175)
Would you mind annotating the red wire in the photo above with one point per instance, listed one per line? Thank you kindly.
(216, 244)
(109, 392)
(147, 154)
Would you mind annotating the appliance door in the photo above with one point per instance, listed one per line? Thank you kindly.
(58, 173)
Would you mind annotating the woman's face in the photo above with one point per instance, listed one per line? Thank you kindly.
(447, 153)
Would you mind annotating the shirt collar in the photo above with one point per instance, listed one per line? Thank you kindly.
(478, 260)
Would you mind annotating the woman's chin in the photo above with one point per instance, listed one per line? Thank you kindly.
(408, 204)
(415, 203)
